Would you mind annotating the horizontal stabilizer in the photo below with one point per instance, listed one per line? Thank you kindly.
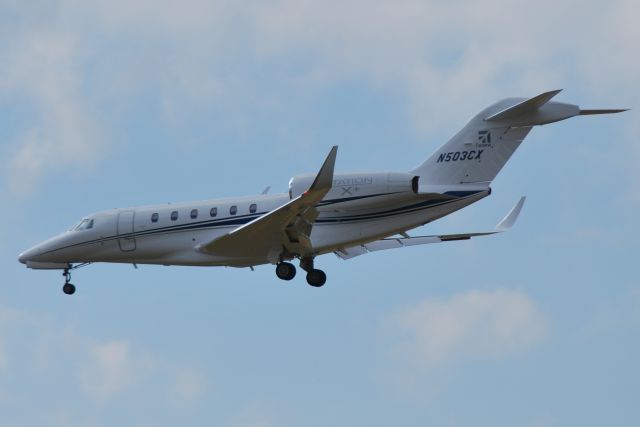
(610, 111)
(524, 107)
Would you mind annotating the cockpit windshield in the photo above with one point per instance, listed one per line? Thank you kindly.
(85, 224)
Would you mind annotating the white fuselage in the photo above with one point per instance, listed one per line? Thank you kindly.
(156, 235)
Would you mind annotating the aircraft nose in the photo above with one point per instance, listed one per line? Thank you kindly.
(32, 254)
(26, 256)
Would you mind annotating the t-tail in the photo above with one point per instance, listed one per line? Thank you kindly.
(475, 155)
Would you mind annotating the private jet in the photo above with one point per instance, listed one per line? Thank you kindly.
(348, 214)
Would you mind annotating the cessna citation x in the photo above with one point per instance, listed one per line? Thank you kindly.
(349, 214)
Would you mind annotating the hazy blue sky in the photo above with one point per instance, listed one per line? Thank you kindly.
(112, 104)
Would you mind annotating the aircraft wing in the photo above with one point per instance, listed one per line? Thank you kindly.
(392, 243)
(287, 228)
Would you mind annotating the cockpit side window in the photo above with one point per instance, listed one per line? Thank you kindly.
(85, 224)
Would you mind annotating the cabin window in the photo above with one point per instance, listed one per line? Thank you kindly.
(154, 217)
(233, 210)
(174, 215)
(194, 213)
(213, 212)
(253, 208)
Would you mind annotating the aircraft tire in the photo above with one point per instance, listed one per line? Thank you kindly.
(316, 278)
(285, 271)
(69, 289)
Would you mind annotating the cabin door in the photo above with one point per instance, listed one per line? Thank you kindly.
(126, 237)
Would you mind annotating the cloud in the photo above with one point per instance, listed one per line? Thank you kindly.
(42, 70)
(467, 326)
(111, 368)
(96, 371)
(77, 66)
(443, 54)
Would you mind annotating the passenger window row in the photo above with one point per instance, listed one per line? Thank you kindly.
(233, 210)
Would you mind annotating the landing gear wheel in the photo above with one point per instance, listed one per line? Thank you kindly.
(285, 271)
(316, 278)
(69, 289)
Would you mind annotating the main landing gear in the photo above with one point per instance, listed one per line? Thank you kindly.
(315, 277)
(68, 287)
(285, 271)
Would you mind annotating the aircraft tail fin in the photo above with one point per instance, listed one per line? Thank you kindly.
(477, 153)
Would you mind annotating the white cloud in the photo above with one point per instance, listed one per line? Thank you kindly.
(446, 58)
(453, 55)
(110, 369)
(188, 386)
(471, 325)
(100, 370)
(42, 67)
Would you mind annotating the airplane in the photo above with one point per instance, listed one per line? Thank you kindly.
(348, 214)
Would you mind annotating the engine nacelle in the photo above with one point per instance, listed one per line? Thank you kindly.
(364, 189)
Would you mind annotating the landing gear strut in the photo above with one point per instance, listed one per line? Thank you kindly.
(68, 287)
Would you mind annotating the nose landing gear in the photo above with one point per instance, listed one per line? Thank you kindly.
(68, 287)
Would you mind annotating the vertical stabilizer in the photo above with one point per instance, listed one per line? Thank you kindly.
(480, 150)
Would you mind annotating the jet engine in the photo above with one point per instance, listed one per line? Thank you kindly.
(360, 190)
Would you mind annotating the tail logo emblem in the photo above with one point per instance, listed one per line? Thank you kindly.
(484, 136)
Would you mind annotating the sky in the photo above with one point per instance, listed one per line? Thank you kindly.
(121, 103)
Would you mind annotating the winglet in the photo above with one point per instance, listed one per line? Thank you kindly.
(324, 179)
(508, 221)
